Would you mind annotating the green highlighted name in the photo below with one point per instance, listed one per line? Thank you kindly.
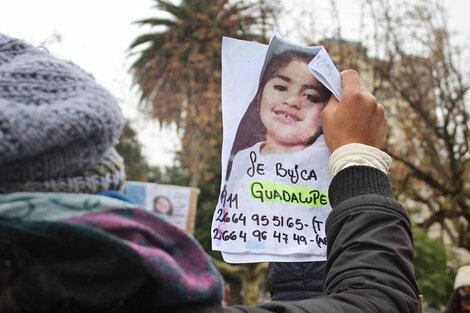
(270, 192)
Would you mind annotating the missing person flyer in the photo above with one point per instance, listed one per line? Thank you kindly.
(273, 202)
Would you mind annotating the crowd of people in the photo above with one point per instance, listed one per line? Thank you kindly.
(71, 242)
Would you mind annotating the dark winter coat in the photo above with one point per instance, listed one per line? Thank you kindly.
(296, 280)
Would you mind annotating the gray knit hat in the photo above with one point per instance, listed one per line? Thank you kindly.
(57, 125)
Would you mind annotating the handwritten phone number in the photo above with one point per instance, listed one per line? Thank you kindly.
(260, 235)
(264, 220)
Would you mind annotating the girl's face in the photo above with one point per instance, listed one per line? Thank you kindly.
(290, 107)
(162, 206)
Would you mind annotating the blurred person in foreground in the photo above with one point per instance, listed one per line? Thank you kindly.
(460, 299)
(69, 241)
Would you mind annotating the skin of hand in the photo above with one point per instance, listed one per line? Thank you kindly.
(358, 118)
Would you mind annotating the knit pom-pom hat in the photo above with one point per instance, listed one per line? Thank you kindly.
(57, 125)
(462, 278)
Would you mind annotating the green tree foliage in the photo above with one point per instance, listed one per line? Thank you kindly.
(433, 268)
(137, 167)
(130, 148)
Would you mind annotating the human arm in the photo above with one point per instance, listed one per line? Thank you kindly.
(370, 249)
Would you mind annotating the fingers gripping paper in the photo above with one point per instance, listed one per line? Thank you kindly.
(274, 201)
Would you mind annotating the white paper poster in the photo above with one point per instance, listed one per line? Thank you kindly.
(176, 203)
(274, 201)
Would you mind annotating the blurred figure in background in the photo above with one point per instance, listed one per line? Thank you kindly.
(460, 298)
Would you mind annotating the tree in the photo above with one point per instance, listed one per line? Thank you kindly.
(130, 148)
(420, 79)
(178, 73)
(415, 70)
(435, 268)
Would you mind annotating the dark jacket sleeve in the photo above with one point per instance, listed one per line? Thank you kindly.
(370, 250)
(296, 280)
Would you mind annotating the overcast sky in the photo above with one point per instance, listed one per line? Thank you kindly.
(95, 35)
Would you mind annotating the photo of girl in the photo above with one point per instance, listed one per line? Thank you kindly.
(162, 205)
(291, 101)
(284, 116)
